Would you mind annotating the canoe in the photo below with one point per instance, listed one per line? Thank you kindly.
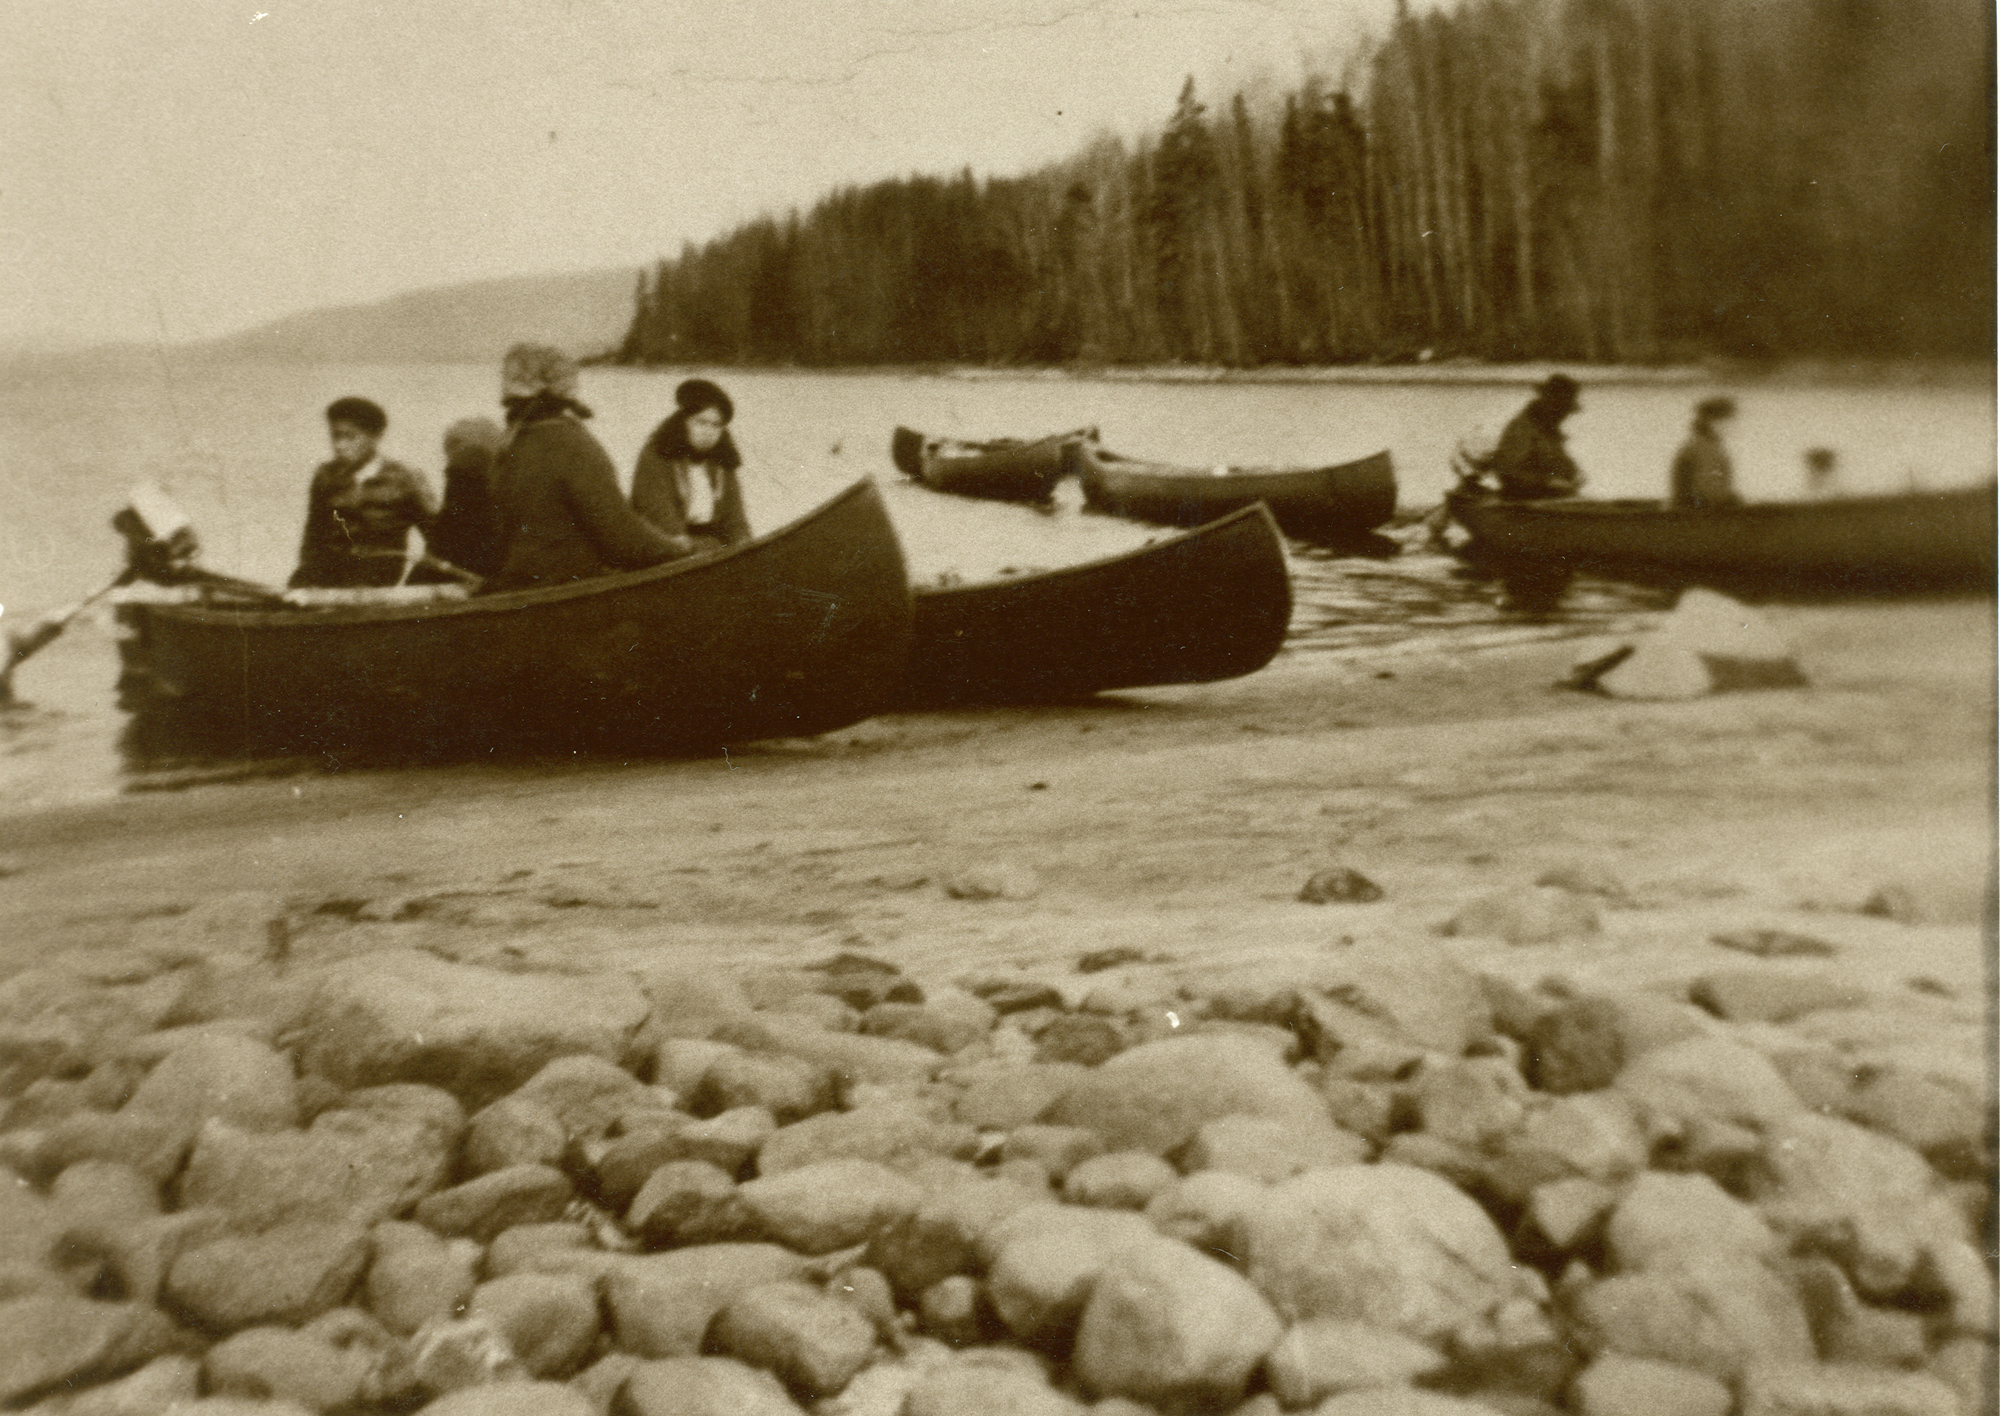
(1341, 502)
(789, 634)
(1208, 604)
(1004, 469)
(1910, 541)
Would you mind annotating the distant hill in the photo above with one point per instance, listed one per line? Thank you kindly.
(583, 312)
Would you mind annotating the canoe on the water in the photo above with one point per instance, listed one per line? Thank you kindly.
(1341, 502)
(1209, 604)
(1911, 541)
(792, 633)
(1005, 469)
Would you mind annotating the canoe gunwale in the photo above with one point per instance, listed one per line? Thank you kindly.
(501, 602)
(1087, 569)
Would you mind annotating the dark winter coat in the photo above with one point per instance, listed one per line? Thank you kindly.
(1531, 461)
(562, 515)
(467, 531)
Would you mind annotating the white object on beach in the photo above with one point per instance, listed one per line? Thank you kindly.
(1709, 644)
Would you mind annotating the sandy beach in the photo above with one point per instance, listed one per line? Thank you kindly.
(1180, 823)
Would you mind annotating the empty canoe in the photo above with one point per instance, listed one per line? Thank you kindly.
(1005, 469)
(1208, 604)
(1341, 502)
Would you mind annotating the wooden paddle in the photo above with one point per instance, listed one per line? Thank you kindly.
(23, 644)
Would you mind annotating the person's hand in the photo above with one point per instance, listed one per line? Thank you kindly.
(682, 545)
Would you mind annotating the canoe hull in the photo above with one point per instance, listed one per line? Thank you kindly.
(1341, 502)
(791, 634)
(1002, 470)
(1211, 604)
(1918, 541)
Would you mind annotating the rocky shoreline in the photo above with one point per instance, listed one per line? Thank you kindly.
(1375, 1035)
(1374, 1181)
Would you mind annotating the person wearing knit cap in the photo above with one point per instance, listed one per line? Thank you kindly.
(1702, 475)
(467, 532)
(1531, 462)
(685, 482)
(361, 506)
(562, 516)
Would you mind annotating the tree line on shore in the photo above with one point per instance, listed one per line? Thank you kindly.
(1600, 180)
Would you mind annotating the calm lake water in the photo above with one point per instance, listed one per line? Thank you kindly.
(235, 445)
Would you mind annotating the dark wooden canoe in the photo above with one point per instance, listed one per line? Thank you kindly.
(1341, 502)
(1005, 469)
(1210, 604)
(1912, 541)
(793, 633)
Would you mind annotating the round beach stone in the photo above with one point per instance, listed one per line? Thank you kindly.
(1264, 1148)
(1712, 1312)
(481, 1208)
(416, 1277)
(1122, 1180)
(514, 1131)
(1155, 1096)
(223, 1077)
(550, 1320)
(682, 1201)
(704, 1386)
(1661, 1218)
(790, 1088)
(1321, 1357)
(813, 1342)
(286, 1275)
(1049, 1258)
(406, 1016)
(830, 1205)
(278, 1362)
(46, 1341)
(661, 1304)
(1385, 1244)
(1166, 1324)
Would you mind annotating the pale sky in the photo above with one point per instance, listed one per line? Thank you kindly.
(174, 169)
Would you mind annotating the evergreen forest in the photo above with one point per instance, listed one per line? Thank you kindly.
(1619, 181)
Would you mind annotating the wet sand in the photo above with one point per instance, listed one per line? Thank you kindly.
(1176, 823)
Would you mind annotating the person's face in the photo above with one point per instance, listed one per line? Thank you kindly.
(351, 446)
(704, 429)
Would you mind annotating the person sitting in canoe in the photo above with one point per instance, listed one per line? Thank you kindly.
(685, 482)
(562, 515)
(361, 507)
(1701, 475)
(466, 533)
(1531, 462)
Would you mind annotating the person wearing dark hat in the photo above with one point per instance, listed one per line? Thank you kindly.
(467, 531)
(361, 507)
(1702, 476)
(685, 482)
(561, 513)
(1531, 462)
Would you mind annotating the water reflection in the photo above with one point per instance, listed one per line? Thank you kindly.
(1426, 597)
